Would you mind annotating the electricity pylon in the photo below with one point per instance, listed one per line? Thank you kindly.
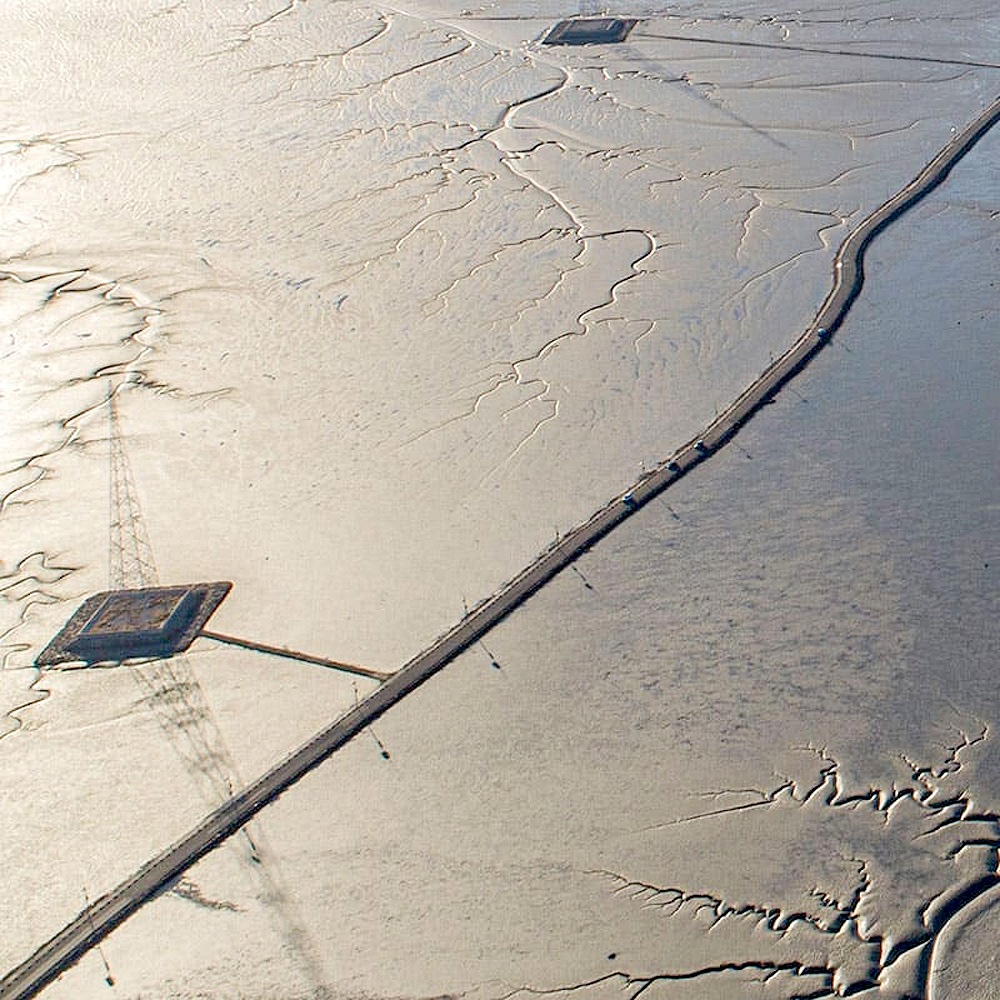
(130, 556)
(171, 690)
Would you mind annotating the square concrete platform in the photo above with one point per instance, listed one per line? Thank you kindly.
(121, 624)
(590, 31)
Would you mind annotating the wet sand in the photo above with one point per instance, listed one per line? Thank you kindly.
(769, 660)
(299, 450)
(108, 912)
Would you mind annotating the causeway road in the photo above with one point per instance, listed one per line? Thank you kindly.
(105, 913)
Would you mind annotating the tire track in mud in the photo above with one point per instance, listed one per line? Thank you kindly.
(104, 914)
(935, 991)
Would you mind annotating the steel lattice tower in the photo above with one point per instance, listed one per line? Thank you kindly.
(130, 556)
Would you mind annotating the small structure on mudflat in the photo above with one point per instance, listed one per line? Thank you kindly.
(121, 624)
(590, 31)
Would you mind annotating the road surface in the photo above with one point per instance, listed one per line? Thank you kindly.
(105, 913)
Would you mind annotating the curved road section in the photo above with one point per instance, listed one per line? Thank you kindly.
(104, 914)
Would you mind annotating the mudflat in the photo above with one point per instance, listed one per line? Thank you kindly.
(388, 299)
